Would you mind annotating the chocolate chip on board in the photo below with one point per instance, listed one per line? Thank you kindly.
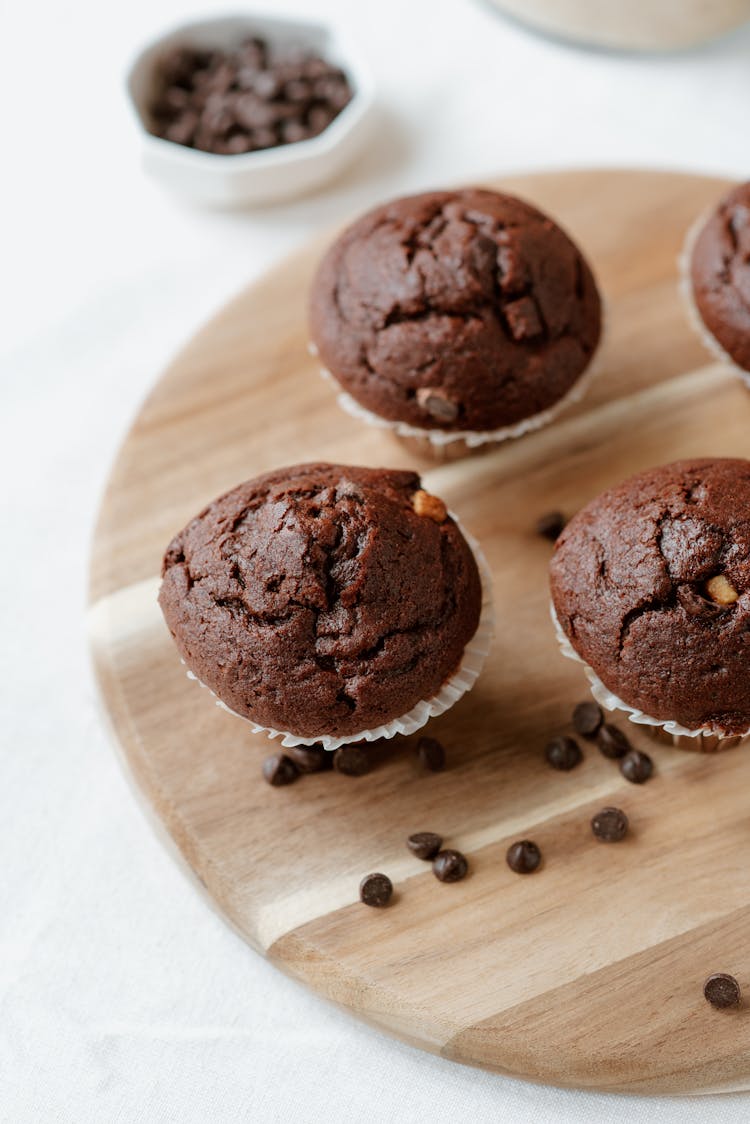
(311, 758)
(610, 825)
(278, 769)
(523, 857)
(636, 767)
(550, 525)
(722, 990)
(587, 719)
(352, 760)
(449, 866)
(376, 890)
(563, 753)
(431, 753)
(612, 742)
(424, 844)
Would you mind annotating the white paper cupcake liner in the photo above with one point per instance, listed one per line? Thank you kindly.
(461, 681)
(473, 439)
(704, 740)
(685, 286)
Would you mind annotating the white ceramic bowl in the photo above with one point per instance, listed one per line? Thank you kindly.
(274, 173)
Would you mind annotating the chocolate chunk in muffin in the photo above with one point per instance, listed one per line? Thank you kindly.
(720, 274)
(316, 600)
(651, 584)
(455, 310)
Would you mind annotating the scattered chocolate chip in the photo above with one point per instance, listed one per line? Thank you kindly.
(272, 97)
(449, 866)
(722, 990)
(352, 760)
(563, 753)
(424, 844)
(587, 719)
(523, 857)
(550, 525)
(278, 769)
(636, 767)
(311, 758)
(610, 825)
(612, 742)
(431, 753)
(376, 889)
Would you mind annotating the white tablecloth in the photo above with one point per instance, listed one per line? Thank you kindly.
(122, 996)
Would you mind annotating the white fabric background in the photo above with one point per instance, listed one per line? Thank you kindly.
(122, 996)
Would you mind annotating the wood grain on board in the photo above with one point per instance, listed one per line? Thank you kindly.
(589, 972)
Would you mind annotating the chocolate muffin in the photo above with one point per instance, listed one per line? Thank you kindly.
(651, 585)
(719, 270)
(322, 599)
(455, 310)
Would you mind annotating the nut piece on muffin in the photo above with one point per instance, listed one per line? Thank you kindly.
(458, 311)
(719, 276)
(322, 600)
(651, 585)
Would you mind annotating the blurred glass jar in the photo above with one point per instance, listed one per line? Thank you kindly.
(646, 25)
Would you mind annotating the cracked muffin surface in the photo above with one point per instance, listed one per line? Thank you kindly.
(317, 600)
(461, 310)
(720, 274)
(651, 585)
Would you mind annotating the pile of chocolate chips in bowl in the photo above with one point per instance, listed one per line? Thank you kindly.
(245, 99)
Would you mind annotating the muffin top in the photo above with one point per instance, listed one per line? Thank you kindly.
(455, 310)
(322, 599)
(720, 274)
(651, 584)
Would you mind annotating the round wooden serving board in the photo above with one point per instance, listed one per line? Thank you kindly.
(588, 973)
